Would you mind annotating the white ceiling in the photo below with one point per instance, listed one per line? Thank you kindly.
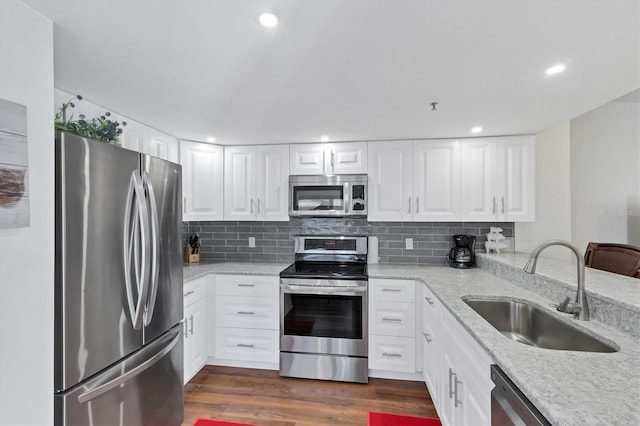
(350, 69)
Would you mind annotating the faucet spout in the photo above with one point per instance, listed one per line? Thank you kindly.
(580, 308)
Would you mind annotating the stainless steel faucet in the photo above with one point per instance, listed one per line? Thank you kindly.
(580, 308)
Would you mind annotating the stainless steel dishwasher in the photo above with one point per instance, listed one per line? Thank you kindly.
(509, 407)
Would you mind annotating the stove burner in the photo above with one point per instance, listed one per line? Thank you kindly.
(345, 271)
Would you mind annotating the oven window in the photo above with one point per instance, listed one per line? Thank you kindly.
(323, 316)
(318, 198)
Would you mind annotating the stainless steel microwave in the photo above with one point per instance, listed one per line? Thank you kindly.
(328, 195)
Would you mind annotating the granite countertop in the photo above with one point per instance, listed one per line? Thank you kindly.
(568, 387)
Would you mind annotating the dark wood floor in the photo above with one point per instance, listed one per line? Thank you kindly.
(262, 397)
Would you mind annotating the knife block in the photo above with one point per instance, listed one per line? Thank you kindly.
(188, 256)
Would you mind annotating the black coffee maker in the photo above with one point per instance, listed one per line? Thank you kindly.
(463, 255)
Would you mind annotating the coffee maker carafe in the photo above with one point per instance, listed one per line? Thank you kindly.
(463, 255)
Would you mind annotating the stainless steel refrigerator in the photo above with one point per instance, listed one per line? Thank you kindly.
(118, 332)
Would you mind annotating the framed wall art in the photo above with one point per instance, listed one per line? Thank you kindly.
(14, 167)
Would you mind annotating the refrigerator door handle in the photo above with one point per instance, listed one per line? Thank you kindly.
(136, 233)
(155, 249)
(169, 341)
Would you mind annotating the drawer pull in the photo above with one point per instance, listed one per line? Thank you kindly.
(392, 354)
(245, 313)
(245, 345)
(246, 285)
(427, 337)
(429, 300)
(394, 290)
(391, 319)
(189, 293)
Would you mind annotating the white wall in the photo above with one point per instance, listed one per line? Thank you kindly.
(27, 254)
(553, 195)
(605, 193)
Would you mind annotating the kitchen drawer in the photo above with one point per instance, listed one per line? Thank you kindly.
(247, 344)
(248, 312)
(392, 319)
(392, 290)
(195, 290)
(392, 353)
(247, 285)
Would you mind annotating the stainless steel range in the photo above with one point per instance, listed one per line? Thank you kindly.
(323, 310)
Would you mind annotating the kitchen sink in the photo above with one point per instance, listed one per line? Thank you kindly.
(531, 325)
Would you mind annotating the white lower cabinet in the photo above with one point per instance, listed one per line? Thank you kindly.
(246, 319)
(456, 368)
(392, 344)
(195, 326)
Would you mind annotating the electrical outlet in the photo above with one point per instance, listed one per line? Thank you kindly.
(408, 243)
(252, 241)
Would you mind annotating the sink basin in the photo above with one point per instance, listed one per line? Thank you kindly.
(531, 325)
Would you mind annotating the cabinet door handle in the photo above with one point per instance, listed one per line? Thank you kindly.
(332, 164)
(191, 328)
(258, 205)
(246, 313)
(245, 345)
(427, 337)
(392, 290)
(189, 293)
(502, 200)
(429, 300)
(246, 285)
(391, 319)
(184, 204)
(251, 208)
(456, 401)
(392, 354)
(417, 205)
(494, 205)
(451, 376)
(409, 206)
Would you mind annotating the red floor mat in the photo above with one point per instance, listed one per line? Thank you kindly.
(209, 422)
(387, 419)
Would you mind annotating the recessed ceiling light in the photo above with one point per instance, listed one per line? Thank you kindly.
(476, 129)
(211, 139)
(268, 19)
(324, 138)
(556, 69)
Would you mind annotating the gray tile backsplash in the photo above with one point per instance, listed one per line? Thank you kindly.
(229, 240)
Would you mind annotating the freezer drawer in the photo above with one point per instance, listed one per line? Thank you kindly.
(144, 389)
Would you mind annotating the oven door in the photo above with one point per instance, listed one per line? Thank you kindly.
(324, 317)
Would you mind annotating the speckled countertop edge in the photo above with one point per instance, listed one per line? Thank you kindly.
(569, 388)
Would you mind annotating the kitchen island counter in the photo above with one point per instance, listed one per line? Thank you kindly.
(568, 387)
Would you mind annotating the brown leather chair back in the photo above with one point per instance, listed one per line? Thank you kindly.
(620, 259)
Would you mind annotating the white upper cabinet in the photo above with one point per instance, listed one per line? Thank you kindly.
(165, 148)
(337, 158)
(498, 179)
(256, 182)
(479, 179)
(202, 180)
(273, 182)
(516, 178)
(390, 181)
(436, 174)
(239, 182)
(132, 140)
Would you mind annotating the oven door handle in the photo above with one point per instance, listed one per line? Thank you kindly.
(305, 289)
